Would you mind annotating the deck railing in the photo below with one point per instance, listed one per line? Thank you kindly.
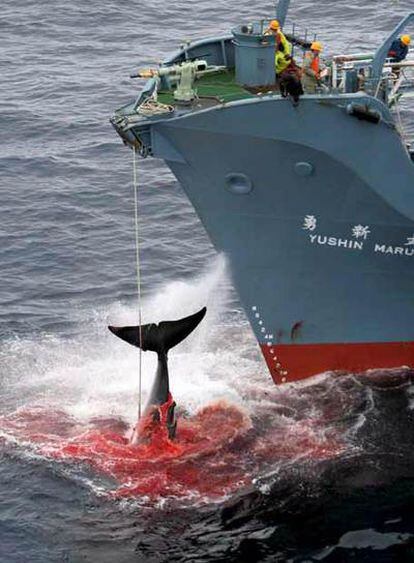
(361, 64)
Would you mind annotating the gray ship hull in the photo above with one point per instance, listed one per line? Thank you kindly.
(314, 209)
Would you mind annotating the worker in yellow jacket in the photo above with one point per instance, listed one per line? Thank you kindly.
(283, 55)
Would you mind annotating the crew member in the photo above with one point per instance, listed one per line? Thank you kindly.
(290, 83)
(399, 49)
(311, 70)
(283, 47)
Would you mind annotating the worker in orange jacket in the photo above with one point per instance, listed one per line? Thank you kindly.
(311, 69)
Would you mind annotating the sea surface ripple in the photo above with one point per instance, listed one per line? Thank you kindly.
(323, 471)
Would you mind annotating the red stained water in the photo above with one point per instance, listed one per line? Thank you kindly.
(216, 451)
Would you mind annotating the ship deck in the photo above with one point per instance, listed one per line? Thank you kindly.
(220, 86)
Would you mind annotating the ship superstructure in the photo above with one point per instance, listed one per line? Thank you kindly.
(312, 203)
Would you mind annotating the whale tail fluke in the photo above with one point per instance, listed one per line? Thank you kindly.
(159, 337)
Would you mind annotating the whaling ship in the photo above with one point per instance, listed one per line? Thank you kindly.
(312, 203)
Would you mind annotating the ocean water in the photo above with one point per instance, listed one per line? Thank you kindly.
(321, 471)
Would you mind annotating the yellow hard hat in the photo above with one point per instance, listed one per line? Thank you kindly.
(316, 46)
(274, 24)
(406, 39)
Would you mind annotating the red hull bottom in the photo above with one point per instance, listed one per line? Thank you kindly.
(292, 362)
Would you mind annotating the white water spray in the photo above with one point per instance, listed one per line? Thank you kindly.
(95, 375)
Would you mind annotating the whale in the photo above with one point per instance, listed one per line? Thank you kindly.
(160, 338)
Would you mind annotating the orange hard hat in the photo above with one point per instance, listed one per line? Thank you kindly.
(274, 24)
(406, 39)
(316, 46)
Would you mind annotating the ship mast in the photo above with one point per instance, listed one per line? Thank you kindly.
(282, 10)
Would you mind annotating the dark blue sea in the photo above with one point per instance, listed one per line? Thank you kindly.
(317, 471)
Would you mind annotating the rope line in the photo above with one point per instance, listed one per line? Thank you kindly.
(400, 127)
(138, 269)
(152, 107)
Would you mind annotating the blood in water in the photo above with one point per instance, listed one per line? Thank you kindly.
(216, 451)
